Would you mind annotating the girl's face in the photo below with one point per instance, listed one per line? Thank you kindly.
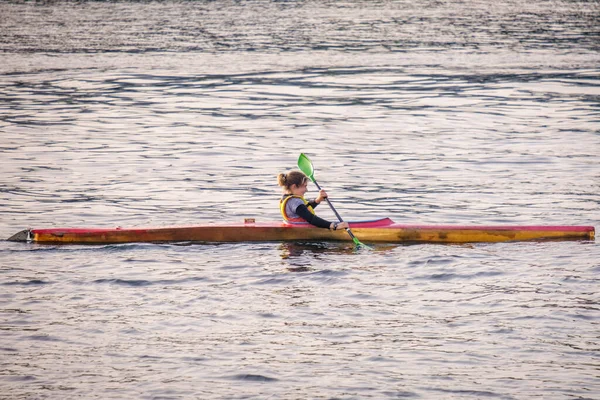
(299, 190)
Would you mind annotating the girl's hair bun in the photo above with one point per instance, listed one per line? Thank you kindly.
(291, 178)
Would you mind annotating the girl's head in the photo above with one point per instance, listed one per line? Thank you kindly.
(293, 181)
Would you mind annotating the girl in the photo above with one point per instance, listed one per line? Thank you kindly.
(295, 209)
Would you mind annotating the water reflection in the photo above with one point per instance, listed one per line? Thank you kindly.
(306, 256)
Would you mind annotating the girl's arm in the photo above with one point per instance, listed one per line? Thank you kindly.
(315, 202)
(311, 218)
(312, 203)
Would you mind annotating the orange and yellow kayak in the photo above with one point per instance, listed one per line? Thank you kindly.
(377, 231)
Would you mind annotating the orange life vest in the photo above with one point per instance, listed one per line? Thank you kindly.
(298, 220)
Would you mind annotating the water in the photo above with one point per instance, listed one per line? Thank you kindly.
(176, 113)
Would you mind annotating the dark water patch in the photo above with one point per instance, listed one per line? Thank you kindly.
(81, 199)
(14, 311)
(400, 394)
(32, 282)
(362, 296)
(19, 329)
(9, 349)
(235, 267)
(44, 338)
(20, 191)
(34, 168)
(253, 378)
(147, 357)
(141, 260)
(440, 277)
(382, 359)
(195, 359)
(18, 378)
(269, 315)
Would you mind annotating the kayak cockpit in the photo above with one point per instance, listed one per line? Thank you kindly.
(370, 223)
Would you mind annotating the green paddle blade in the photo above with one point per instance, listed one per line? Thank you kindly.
(306, 166)
(360, 244)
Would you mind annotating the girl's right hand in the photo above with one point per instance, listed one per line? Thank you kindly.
(342, 225)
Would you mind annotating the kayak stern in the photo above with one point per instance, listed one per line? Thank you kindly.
(23, 236)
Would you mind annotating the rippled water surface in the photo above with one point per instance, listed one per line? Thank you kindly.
(176, 113)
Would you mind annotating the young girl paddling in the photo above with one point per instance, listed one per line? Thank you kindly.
(295, 209)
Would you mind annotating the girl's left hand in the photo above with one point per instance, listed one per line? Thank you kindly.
(322, 196)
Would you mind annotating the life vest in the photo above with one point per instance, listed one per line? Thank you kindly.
(298, 220)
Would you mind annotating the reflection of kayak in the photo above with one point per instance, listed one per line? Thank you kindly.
(381, 230)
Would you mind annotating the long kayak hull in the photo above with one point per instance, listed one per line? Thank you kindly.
(377, 231)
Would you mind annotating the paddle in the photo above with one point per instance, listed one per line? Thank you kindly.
(306, 166)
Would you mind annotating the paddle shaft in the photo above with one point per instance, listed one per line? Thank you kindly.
(354, 239)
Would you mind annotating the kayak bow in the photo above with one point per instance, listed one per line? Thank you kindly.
(381, 230)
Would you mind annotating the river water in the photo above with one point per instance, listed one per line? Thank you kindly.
(177, 113)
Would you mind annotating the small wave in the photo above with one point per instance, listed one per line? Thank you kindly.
(41, 247)
(473, 393)
(144, 282)
(447, 276)
(329, 273)
(124, 282)
(272, 281)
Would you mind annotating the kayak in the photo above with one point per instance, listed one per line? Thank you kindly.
(382, 230)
